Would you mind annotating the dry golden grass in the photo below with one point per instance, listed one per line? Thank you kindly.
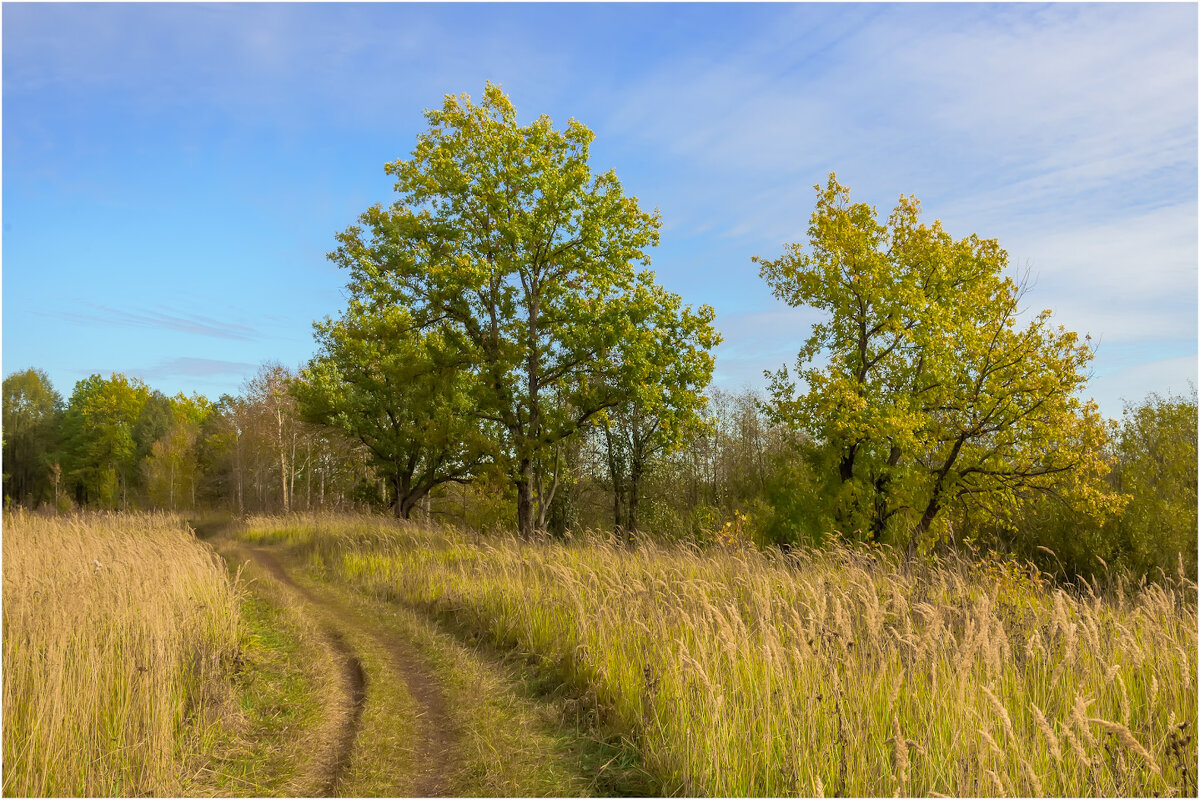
(839, 671)
(117, 634)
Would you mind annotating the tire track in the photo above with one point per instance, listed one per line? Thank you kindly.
(434, 747)
(354, 679)
(435, 740)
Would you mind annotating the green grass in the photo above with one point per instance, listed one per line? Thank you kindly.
(513, 734)
(258, 750)
(842, 671)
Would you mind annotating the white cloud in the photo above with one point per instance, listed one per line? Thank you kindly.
(1139, 257)
(994, 113)
(279, 64)
(1068, 132)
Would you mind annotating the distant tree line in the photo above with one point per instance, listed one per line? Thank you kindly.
(506, 360)
(738, 473)
(117, 444)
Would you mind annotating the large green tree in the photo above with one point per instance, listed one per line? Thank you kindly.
(32, 410)
(405, 394)
(920, 382)
(504, 240)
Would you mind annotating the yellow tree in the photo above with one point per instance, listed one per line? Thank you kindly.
(932, 395)
(171, 467)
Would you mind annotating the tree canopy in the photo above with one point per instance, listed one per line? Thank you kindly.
(32, 409)
(404, 394)
(504, 241)
(931, 394)
(99, 437)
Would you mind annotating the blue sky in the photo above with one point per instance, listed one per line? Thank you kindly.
(173, 174)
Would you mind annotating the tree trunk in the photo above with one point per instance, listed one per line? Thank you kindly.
(846, 464)
(935, 498)
(399, 507)
(283, 470)
(525, 510)
(308, 473)
(237, 455)
(634, 489)
(544, 498)
(292, 467)
(618, 507)
(616, 472)
(321, 485)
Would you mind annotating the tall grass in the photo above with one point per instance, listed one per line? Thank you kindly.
(840, 671)
(117, 633)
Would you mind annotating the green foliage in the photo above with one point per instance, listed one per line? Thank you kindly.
(1156, 469)
(504, 242)
(403, 393)
(32, 411)
(99, 448)
(485, 504)
(933, 397)
(799, 495)
(154, 422)
(661, 412)
(172, 466)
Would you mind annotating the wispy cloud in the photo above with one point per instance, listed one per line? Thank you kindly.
(757, 341)
(158, 320)
(988, 112)
(185, 367)
(1066, 131)
(274, 63)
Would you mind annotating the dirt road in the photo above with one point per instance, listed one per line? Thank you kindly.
(374, 665)
(381, 700)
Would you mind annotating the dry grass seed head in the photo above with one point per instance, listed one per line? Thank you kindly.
(1047, 732)
(1001, 789)
(987, 737)
(1080, 718)
(1034, 645)
(1075, 746)
(1123, 700)
(899, 755)
(1126, 737)
(1033, 779)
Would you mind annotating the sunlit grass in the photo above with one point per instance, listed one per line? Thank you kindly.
(841, 671)
(118, 633)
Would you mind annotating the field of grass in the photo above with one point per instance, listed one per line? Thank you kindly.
(840, 671)
(119, 632)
